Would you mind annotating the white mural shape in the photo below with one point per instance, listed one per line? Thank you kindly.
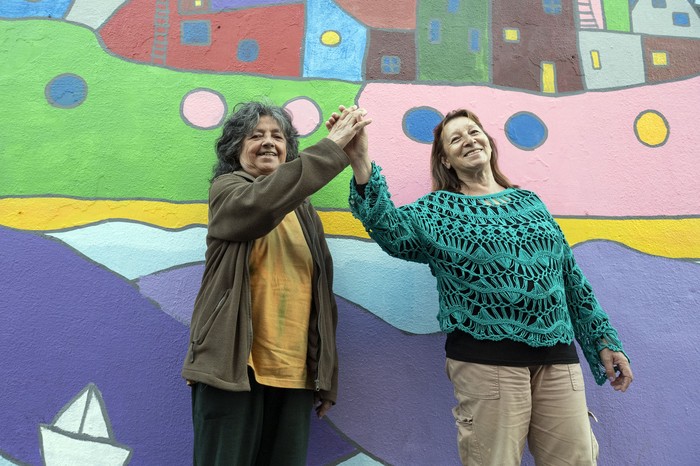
(81, 434)
(93, 14)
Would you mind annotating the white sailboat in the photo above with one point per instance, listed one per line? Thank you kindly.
(81, 434)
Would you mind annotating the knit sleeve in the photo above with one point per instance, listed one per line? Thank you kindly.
(393, 228)
(591, 324)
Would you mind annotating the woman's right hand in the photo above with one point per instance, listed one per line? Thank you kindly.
(357, 147)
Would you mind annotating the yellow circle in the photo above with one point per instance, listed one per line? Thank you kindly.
(651, 128)
(330, 38)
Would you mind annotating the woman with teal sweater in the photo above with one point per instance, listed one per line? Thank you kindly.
(512, 299)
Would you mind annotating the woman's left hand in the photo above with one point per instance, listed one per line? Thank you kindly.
(322, 408)
(616, 359)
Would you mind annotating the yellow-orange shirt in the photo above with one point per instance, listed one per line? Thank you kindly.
(281, 271)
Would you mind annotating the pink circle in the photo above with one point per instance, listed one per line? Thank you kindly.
(203, 108)
(305, 115)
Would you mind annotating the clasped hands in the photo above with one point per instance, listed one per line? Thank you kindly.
(347, 129)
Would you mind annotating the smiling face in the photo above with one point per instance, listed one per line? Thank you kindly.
(466, 146)
(265, 149)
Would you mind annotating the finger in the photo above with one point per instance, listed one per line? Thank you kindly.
(362, 124)
(323, 408)
(607, 361)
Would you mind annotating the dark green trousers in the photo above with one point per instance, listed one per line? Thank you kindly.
(267, 426)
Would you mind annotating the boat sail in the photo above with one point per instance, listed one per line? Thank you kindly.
(81, 434)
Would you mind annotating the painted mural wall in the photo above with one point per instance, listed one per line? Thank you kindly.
(108, 115)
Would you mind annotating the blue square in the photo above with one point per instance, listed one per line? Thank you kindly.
(453, 6)
(681, 19)
(195, 33)
(391, 64)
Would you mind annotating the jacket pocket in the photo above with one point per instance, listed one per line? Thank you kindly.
(201, 333)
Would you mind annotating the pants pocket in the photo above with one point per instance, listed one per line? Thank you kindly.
(467, 440)
(576, 376)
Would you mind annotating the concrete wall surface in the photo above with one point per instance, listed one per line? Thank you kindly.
(108, 116)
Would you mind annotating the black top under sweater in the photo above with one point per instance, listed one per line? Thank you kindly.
(463, 347)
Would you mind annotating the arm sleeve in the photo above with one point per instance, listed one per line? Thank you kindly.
(241, 210)
(395, 229)
(591, 324)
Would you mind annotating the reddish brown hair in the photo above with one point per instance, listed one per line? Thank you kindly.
(446, 178)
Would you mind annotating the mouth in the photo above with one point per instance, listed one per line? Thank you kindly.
(267, 154)
(473, 152)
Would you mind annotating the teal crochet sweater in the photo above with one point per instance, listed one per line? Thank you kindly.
(502, 264)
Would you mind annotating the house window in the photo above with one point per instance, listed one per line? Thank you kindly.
(595, 59)
(681, 19)
(248, 50)
(195, 33)
(474, 40)
(548, 78)
(552, 7)
(511, 35)
(391, 64)
(434, 33)
(453, 6)
(659, 58)
(658, 3)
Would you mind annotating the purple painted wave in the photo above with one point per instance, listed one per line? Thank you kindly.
(66, 322)
(174, 290)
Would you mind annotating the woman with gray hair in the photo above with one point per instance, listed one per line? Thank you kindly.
(262, 348)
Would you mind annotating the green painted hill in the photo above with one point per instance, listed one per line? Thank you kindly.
(127, 139)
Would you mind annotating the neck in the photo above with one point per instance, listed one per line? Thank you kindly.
(479, 183)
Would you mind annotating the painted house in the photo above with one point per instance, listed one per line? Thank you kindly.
(391, 55)
(453, 40)
(334, 44)
(535, 46)
(670, 58)
(391, 42)
(676, 18)
(211, 35)
(611, 59)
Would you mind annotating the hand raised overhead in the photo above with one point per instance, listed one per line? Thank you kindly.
(344, 127)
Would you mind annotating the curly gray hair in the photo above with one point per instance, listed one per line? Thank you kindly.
(240, 124)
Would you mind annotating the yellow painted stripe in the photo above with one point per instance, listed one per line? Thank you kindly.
(676, 238)
(672, 237)
(58, 213)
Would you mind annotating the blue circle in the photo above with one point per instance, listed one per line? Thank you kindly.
(248, 50)
(418, 123)
(526, 131)
(66, 91)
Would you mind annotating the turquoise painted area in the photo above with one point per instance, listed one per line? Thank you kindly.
(6, 462)
(25, 9)
(341, 61)
(133, 250)
(360, 460)
(402, 293)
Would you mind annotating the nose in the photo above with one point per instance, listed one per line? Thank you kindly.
(267, 141)
(468, 139)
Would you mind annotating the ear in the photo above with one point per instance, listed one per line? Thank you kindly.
(446, 163)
